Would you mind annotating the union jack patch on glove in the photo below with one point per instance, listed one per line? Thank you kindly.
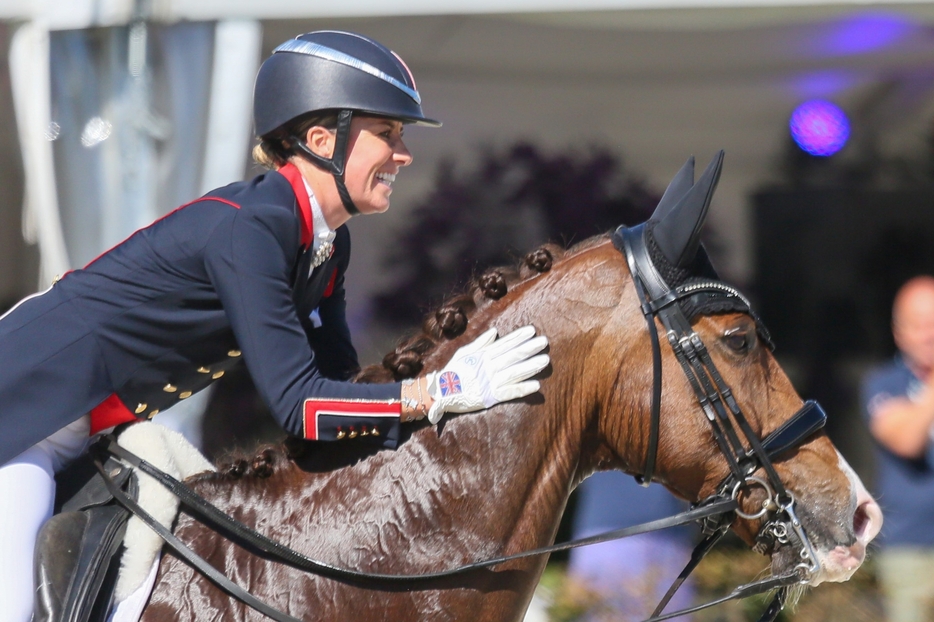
(449, 383)
(487, 372)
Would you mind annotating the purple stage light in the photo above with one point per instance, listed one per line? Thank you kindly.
(819, 127)
(867, 32)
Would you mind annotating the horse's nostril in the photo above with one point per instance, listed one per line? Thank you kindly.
(867, 521)
(860, 520)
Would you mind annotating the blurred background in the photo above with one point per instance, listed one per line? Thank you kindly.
(561, 120)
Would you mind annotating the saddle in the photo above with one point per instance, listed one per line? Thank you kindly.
(93, 553)
(78, 551)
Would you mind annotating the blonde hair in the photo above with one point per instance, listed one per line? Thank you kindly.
(275, 148)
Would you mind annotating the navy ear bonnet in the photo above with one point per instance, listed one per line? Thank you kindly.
(699, 267)
(673, 231)
(699, 271)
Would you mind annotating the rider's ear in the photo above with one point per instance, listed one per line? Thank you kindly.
(677, 232)
(320, 140)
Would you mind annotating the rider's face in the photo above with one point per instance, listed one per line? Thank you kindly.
(376, 152)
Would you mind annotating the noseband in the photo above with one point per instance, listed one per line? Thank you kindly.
(668, 304)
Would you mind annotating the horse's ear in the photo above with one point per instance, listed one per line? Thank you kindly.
(677, 232)
(677, 188)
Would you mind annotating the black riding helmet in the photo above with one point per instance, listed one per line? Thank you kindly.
(330, 70)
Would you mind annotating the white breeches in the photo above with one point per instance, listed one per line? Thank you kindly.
(27, 494)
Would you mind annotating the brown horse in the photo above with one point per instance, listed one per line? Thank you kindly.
(484, 485)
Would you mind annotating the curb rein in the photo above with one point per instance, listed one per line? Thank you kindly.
(716, 512)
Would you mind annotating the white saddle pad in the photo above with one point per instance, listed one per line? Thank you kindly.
(131, 608)
(169, 452)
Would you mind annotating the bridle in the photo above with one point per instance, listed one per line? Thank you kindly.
(658, 300)
(716, 513)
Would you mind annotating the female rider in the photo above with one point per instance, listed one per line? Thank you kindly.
(251, 272)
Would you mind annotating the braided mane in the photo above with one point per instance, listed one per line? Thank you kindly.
(451, 318)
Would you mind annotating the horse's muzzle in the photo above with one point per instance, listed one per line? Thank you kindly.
(838, 562)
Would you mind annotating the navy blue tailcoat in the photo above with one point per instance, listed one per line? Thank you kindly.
(224, 279)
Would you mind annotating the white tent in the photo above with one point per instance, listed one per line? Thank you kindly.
(656, 80)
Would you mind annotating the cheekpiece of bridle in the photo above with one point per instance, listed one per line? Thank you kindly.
(714, 397)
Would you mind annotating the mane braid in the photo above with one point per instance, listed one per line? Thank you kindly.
(451, 318)
(260, 464)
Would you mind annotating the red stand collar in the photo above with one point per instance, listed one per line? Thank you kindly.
(294, 176)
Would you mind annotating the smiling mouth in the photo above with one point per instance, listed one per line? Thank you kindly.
(386, 178)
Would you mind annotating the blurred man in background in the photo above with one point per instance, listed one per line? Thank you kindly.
(898, 401)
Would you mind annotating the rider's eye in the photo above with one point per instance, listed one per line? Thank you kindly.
(738, 341)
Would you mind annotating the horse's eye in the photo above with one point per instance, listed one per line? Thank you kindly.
(738, 340)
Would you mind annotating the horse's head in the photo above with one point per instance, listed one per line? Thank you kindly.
(723, 393)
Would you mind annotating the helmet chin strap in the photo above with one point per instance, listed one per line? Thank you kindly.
(337, 162)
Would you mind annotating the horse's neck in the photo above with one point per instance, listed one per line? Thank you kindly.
(516, 464)
(520, 473)
(478, 485)
(497, 481)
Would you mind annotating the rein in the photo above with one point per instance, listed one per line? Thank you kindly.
(716, 513)
(785, 437)
(270, 549)
(267, 548)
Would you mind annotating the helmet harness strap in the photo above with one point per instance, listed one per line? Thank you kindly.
(337, 163)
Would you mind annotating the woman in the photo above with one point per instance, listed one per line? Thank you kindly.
(253, 271)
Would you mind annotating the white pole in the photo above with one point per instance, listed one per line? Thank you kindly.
(237, 49)
(31, 85)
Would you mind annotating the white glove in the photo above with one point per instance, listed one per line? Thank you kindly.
(488, 371)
